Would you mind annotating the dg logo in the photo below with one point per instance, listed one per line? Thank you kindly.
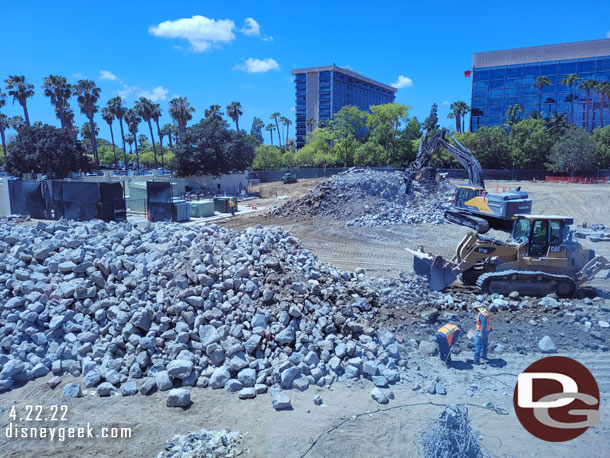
(557, 399)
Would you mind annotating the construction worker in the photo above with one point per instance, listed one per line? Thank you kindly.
(446, 337)
(232, 205)
(482, 334)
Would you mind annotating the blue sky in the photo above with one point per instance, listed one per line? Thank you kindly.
(136, 48)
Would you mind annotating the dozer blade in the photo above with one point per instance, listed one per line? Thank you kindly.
(434, 268)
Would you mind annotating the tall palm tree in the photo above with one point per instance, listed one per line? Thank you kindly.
(155, 115)
(20, 90)
(258, 124)
(541, 82)
(167, 130)
(270, 128)
(275, 116)
(603, 89)
(513, 114)
(145, 109)
(108, 116)
(181, 110)
(129, 140)
(234, 111)
(58, 89)
(115, 105)
(213, 112)
(86, 133)
(132, 119)
(3, 122)
(549, 101)
(287, 122)
(587, 85)
(569, 81)
(88, 94)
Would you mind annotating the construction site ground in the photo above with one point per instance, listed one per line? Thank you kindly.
(381, 252)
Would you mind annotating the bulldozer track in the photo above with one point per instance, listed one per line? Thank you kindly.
(520, 279)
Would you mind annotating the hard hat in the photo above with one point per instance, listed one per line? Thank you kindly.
(479, 307)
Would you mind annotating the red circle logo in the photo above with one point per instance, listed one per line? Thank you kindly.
(556, 399)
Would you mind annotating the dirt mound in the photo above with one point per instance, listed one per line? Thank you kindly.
(367, 197)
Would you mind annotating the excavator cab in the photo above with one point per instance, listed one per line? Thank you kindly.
(465, 195)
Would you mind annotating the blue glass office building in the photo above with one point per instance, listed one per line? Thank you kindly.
(505, 78)
(322, 91)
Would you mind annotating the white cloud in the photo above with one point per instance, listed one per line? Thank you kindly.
(269, 38)
(156, 94)
(106, 75)
(445, 103)
(78, 76)
(402, 81)
(251, 27)
(200, 31)
(252, 65)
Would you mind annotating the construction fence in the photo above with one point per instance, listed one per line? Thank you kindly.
(602, 175)
(80, 201)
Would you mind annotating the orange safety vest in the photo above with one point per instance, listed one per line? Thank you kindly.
(231, 203)
(486, 313)
(449, 331)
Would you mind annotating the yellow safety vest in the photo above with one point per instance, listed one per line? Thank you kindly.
(486, 313)
(449, 331)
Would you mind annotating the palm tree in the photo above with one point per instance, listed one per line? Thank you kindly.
(132, 119)
(129, 140)
(458, 111)
(181, 110)
(155, 115)
(167, 130)
(286, 123)
(213, 112)
(144, 107)
(88, 94)
(549, 101)
(310, 123)
(541, 82)
(116, 107)
(587, 85)
(270, 128)
(603, 89)
(275, 116)
(20, 90)
(58, 89)
(108, 116)
(234, 111)
(86, 133)
(513, 114)
(569, 81)
(3, 126)
(15, 122)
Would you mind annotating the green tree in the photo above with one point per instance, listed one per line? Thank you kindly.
(4, 125)
(20, 90)
(234, 111)
(569, 81)
(529, 142)
(257, 129)
(108, 116)
(318, 150)
(211, 148)
(431, 122)
(287, 122)
(156, 116)
(458, 111)
(181, 112)
(48, 150)
(573, 152)
(146, 109)
(513, 114)
(601, 140)
(167, 131)
(603, 89)
(558, 123)
(369, 153)
(413, 129)
(289, 159)
(16, 122)
(59, 91)
(490, 146)
(129, 139)
(540, 83)
(132, 119)
(116, 107)
(345, 125)
(88, 94)
(270, 128)
(85, 133)
(588, 86)
(275, 116)
(267, 157)
(311, 124)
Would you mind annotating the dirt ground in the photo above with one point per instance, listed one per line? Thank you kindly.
(391, 433)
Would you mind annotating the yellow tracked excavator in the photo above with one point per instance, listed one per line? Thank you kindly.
(541, 258)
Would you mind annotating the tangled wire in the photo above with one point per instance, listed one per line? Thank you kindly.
(451, 436)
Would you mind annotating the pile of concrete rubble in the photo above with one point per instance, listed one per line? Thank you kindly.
(159, 306)
(204, 444)
(366, 197)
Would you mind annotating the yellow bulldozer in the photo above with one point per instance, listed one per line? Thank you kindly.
(541, 258)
